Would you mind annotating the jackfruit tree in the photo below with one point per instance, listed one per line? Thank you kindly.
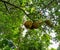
(28, 24)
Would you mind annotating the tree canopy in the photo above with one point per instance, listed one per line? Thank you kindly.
(45, 17)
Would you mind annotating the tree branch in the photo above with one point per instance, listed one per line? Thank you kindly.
(6, 6)
(45, 6)
(15, 7)
(48, 4)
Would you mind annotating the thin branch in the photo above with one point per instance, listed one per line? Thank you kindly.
(45, 6)
(48, 4)
(6, 7)
(15, 7)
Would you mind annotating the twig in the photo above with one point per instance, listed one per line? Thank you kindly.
(45, 6)
(15, 7)
(6, 6)
(48, 4)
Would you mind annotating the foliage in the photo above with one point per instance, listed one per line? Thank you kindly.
(12, 17)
